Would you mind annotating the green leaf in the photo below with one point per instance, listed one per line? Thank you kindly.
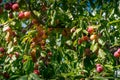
(69, 42)
(101, 42)
(101, 53)
(14, 77)
(28, 66)
(25, 77)
(33, 76)
(94, 47)
(76, 32)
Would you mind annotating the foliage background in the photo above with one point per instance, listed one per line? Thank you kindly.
(53, 34)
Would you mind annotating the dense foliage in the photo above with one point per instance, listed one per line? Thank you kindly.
(59, 39)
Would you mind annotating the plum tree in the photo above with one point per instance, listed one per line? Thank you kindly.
(59, 39)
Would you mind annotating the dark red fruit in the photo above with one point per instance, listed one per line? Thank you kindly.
(36, 72)
(2, 49)
(80, 41)
(8, 6)
(21, 15)
(15, 7)
(6, 75)
(85, 38)
(10, 15)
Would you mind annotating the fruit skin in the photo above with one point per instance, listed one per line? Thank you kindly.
(116, 54)
(85, 38)
(21, 15)
(34, 21)
(27, 14)
(98, 65)
(10, 15)
(36, 72)
(99, 69)
(15, 7)
(90, 29)
(2, 49)
(93, 37)
(8, 6)
(118, 50)
(80, 41)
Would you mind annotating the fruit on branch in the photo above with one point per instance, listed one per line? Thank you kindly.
(90, 29)
(21, 15)
(85, 38)
(99, 68)
(34, 21)
(118, 50)
(97, 65)
(27, 14)
(93, 37)
(2, 50)
(10, 15)
(15, 7)
(37, 72)
(8, 6)
(117, 53)
(80, 41)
